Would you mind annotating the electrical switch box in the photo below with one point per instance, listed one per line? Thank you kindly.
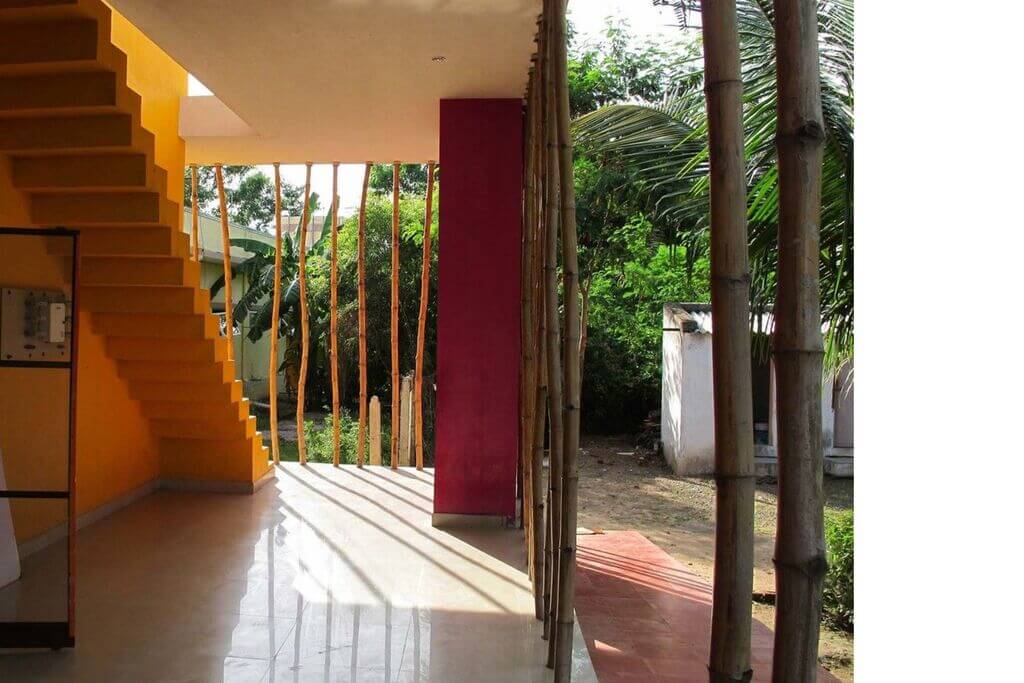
(35, 325)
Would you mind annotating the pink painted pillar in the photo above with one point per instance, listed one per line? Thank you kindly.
(478, 309)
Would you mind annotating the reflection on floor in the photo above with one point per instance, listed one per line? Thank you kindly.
(325, 574)
(646, 617)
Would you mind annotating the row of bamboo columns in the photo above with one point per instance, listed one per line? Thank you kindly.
(550, 369)
(550, 389)
(304, 312)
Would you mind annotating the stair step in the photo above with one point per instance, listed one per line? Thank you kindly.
(32, 42)
(204, 429)
(162, 350)
(144, 299)
(175, 371)
(205, 458)
(138, 270)
(67, 132)
(82, 172)
(225, 392)
(144, 325)
(85, 91)
(222, 411)
(149, 240)
(22, 9)
(89, 208)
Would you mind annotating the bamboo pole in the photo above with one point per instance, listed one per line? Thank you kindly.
(300, 408)
(421, 332)
(554, 344)
(800, 547)
(335, 409)
(361, 267)
(729, 657)
(527, 360)
(275, 317)
(571, 366)
(541, 537)
(225, 232)
(195, 212)
(396, 170)
(535, 390)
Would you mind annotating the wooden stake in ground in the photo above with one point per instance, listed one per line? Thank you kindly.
(571, 404)
(335, 409)
(300, 407)
(225, 233)
(396, 170)
(195, 212)
(554, 342)
(374, 431)
(729, 658)
(361, 267)
(275, 316)
(421, 332)
(800, 562)
(405, 423)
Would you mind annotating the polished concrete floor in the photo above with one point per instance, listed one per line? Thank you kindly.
(323, 575)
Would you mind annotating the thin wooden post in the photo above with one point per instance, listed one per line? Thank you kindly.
(571, 397)
(421, 332)
(554, 343)
(225, 232)
(275, 317)
(729, 658)
(800, 561)
(375, 431)
(396, 170)
(195, 212)
(335, 408)
(405, 424)
(361, 267)
(300, 408)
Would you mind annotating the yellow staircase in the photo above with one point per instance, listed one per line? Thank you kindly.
(71, 129)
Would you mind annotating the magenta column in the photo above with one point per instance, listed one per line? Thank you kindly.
(478, 307)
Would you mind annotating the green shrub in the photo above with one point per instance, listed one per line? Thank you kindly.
(320, 441)
(837, 597)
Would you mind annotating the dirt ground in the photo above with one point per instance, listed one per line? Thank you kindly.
(618, 490)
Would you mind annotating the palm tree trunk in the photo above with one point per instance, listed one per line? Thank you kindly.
(335, 410)
(571, 398)
(421, 331)
(195, 212)
(396, 170)
(225, 232)
(800, 547)
(729, 658)
(584, 318)
(275, 317)
(300, 408)
(361, 267)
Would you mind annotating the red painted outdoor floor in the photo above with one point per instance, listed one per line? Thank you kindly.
(646, 617)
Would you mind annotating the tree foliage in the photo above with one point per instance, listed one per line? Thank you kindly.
(665, 144)
(249, 193)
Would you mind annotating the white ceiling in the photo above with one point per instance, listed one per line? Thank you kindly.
(335, 80)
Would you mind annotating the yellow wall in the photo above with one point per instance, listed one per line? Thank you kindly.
(161, 82)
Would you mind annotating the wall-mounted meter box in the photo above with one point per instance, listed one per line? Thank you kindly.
(35, 325)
